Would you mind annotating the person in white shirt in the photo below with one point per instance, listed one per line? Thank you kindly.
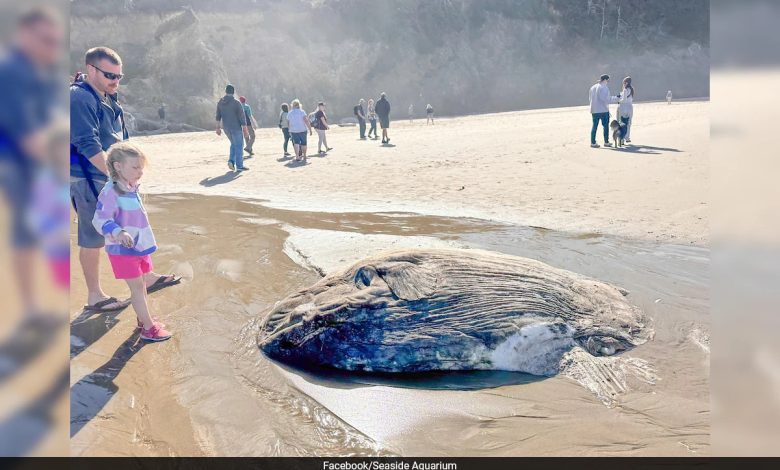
(669, 97)
(626, 106)
(299, 124)
(599, 109)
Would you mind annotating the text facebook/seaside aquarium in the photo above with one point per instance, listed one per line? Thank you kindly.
(385, 465)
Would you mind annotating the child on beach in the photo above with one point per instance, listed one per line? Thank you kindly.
(121, 217)
(48, 214)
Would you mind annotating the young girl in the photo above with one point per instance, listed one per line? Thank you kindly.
(49, 212)
(121, 217)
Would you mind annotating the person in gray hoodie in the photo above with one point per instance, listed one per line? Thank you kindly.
(231, 116)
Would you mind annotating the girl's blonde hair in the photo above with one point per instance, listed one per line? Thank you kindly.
(296, 103)
(119, 152)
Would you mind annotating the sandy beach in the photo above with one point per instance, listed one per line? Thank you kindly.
(531, 168)
(523, 183)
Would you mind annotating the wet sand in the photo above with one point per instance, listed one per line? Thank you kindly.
(209, 391)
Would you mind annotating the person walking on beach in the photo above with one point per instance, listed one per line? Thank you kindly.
(230, 114)
(626, 106)
(284, 125)
(382, 109)
(429, 114)
(161, 112)
(411, 113)
(321, 124)
(360, 114)
(372, 119)
(669, 97)
(299, 124)
(122, 219)
(251, 124)
(599, 109)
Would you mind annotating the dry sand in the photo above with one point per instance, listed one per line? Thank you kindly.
(532, 168)
(209, 391)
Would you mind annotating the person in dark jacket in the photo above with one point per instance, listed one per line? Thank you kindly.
(231, 116)
(382, 109)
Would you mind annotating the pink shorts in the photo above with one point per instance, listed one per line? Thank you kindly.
(129, 266)
(60, 269)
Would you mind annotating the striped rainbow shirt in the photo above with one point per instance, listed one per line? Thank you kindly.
(118, 210)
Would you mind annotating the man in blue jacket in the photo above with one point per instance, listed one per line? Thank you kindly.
(96, 123)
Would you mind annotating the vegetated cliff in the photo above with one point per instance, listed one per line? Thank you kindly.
(462, 56)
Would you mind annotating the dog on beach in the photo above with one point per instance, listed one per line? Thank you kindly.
(618, 132)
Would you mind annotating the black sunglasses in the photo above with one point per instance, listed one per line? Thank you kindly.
(109, 75)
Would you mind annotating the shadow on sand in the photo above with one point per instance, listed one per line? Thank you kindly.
(222, 179)
(644, 149)
(91, 394)
(28, 341)
(296, 164)
(89, 327)
(23, 430)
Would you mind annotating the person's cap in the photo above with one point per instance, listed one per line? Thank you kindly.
(242, 99)
(230, 89)
(605, 77)
(382, 94)
(321, 103)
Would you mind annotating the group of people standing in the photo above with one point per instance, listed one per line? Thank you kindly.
(379, 111)
(600, 99)
(296, 124)
(236, 118)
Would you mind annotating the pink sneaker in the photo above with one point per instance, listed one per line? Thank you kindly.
(155, 333)
(140, 325)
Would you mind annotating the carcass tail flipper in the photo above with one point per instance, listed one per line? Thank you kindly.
(606, 377)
